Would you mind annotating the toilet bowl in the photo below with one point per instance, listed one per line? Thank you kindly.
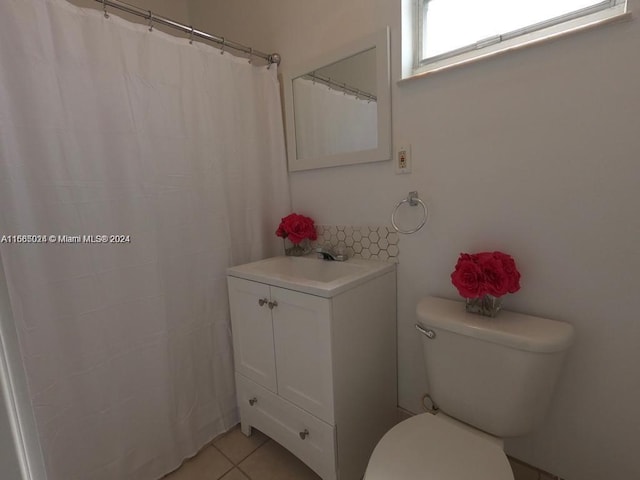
(437, 447)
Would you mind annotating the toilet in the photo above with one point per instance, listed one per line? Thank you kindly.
(490, 378)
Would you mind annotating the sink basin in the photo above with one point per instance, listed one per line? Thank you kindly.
(307, 269)
(310, 274)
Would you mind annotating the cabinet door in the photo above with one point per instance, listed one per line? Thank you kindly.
(252, 331)
(302, 336)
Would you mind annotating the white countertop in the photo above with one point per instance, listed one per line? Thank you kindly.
(312, 275)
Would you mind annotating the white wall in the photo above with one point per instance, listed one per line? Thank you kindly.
(536, 153)
(177, 10)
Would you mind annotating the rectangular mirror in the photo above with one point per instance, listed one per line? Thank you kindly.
(338, 107)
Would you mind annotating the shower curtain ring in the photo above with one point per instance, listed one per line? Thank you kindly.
(191, 36)
(273, 58)
(250, 54)
(104, 8)
(150, 21)
(224, 42)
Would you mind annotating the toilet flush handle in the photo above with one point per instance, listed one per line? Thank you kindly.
(427, 332)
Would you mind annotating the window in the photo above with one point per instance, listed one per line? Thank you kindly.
(454, 31)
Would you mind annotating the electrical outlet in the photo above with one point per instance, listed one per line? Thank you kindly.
(403, 159)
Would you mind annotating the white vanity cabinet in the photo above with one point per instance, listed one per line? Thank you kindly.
(288, 332)
(317, 373)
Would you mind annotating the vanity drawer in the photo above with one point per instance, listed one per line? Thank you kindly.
(287, 424)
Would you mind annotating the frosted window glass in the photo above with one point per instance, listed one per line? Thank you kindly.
(452, 24)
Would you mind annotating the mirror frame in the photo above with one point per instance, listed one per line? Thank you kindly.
(380, 41)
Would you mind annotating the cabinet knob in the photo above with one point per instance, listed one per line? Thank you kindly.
(304, 434)
(263, 301)
(253, 401)
(272, 305)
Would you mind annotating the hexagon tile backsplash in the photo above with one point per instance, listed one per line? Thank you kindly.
(374, 242)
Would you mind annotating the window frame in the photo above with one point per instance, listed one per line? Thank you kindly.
(601, 12)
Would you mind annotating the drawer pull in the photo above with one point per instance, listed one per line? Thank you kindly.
(253, 401)
(272, 305)
(304, 434)
(263, 301)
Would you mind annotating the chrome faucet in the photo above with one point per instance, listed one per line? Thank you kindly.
(326, 253)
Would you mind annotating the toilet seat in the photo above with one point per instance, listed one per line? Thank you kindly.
(435, 447)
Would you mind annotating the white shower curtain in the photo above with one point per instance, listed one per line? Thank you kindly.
(329, 122)
(109, 129)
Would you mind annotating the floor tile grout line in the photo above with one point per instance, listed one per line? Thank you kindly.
(267, 440)
(243, 458)
(232, 467)
(254, 451)
(222, 453)
(193, 457)
(220, 437)
(243, 472)
(246, 474)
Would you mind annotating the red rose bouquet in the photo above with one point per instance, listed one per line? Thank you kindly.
(297, 228)
(485, 273)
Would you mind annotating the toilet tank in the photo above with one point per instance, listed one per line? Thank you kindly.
(496, 374)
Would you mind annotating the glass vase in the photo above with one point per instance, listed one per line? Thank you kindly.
(487, 305)
(297, 249)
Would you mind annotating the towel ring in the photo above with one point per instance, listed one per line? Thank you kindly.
(413, 200)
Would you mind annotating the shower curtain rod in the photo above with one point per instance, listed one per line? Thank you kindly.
(316, 77)
(158, 19)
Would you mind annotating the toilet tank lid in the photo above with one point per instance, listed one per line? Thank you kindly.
(511, 329)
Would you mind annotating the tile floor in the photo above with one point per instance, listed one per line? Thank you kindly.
(233, 456)
(236, 457)
(524, 471)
